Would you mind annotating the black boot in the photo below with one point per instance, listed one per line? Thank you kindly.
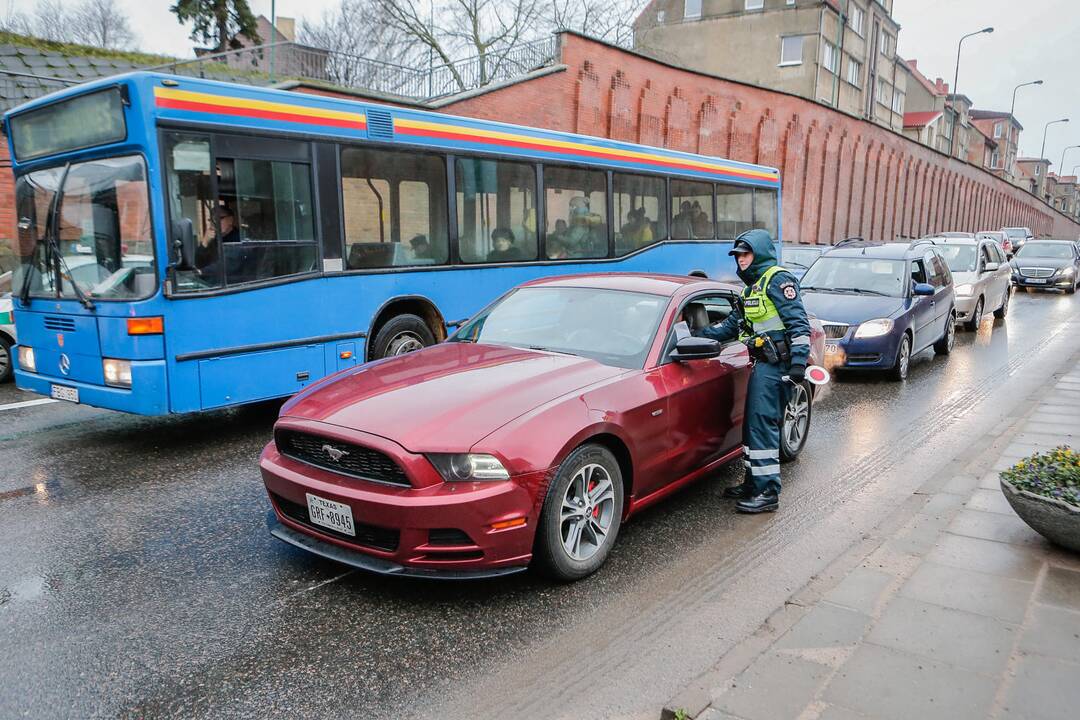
(745, 491)
(767, 501)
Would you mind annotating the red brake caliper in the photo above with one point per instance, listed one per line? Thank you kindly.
(596, 510)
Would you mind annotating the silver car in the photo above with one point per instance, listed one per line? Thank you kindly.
(982, 275)
(7, 328)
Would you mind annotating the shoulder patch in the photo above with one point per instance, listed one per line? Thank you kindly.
(789, 291)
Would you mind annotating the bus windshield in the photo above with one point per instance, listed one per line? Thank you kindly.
(102, 231)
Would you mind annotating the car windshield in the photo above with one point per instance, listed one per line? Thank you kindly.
(960, 258)
(802, 257)
(102, 231)
(1058, 251)
(857, 274)
(1015, 232)
(613, 327)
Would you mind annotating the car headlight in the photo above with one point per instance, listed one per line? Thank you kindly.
(117, 372)
(26, 359)
(1065, 272)
(874, 328)
(964, 289)
(463, 467)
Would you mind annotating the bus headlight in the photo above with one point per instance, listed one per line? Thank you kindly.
(471, 466)
(874, 328)
(26, 359)
(117, 372)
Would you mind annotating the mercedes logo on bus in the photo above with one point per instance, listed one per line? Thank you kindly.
(65, 363)
(334, 453)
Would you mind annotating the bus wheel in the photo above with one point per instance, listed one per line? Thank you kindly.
(401, 334)
(7, 363)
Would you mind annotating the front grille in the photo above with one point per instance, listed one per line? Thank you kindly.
(1037, 272)
(366, 535)
(353, 460)
(863, 358)
(835, 331)
(60, 324)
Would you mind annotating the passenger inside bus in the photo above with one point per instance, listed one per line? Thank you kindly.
(502, 239)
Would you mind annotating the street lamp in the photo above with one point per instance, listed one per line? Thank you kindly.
(956, 81)
(1012, 110)
(1042, 151)
(1062, 163)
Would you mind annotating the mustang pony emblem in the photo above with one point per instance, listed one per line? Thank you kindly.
(334, 453)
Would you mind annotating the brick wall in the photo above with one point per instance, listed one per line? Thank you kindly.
(842, 176)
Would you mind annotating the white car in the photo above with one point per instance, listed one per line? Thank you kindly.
(982, 277)
(7, 328)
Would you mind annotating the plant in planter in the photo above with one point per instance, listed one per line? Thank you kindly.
(1044, 490)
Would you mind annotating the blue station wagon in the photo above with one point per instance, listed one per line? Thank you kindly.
(881, 303)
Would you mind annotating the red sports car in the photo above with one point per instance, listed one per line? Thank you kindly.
(542, 424)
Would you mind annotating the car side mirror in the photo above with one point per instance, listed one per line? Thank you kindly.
(695, 348)
(991, 267)
(923, 289)
(184, 241)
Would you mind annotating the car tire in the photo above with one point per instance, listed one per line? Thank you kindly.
(1002, 311)
(944, 346)
(976, 317)
(7, 362)
(903, 359)
(795, 426)
(562, 530)
(1071, 290)
(400, 335)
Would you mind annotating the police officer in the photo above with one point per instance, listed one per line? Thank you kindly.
(774, 326)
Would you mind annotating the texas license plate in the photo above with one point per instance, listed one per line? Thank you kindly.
(1037, 281)
(63, 392)
(831, 348)
(334, 515)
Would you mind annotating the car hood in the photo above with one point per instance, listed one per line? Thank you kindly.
(1045, 262)
(851, 309)
(447, 397)
(965, 278)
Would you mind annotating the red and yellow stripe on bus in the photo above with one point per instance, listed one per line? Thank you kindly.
(177, 99)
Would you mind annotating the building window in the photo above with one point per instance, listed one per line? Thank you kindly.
(691, 9)
(883, 91)
(791, 50)
(660, 16)
(998, 127)
(790, 2)
(856, 18)
(830, 58)
(898, 102)
(1038, 170)
(995, 160)
(754, 4)
(854, 72)
(886, 44)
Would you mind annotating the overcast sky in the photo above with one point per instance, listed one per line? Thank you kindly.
(1032, 40)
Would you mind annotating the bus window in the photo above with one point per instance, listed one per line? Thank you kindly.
(496, 204)
(191, 205)
(691, 210)
(734, 211)
(575, 205)
(394, 208)
(765, 210)
(640, 212)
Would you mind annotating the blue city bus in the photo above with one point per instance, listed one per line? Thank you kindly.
(188, 244)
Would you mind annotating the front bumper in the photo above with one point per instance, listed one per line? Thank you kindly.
(1051, 283)
(877, 353)
(395, 524)
(965, 306)
(148, 394)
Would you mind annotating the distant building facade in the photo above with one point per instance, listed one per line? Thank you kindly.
(1005, 129)
(841, 53)
(287, 58)
(1031, 172)
(930, 116)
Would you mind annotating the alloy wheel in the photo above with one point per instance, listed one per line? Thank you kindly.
(951, 341)
(588, 508)
(905, 357)
(796, 417)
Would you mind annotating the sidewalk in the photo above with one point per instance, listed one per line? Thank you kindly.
(956, 609)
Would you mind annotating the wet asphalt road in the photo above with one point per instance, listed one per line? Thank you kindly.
(138, 579)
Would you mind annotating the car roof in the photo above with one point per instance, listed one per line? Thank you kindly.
(883, 251)
(953, 240)
(650, 283)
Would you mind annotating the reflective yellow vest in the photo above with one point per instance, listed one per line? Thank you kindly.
(760, 312)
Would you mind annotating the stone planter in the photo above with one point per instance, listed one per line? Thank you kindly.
(1055, 520)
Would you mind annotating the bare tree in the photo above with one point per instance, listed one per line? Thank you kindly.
(48, 21)
(102, 24)
(608, 20)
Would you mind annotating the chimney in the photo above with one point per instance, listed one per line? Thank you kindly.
(914, 64)
(287, 27)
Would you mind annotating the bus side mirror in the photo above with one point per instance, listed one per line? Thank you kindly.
(185, 243)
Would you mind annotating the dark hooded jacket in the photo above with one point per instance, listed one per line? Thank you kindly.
(783, 290)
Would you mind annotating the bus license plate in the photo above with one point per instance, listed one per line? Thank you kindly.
(334, 515)
(62, 392)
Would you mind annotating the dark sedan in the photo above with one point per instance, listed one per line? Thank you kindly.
(1047, 265)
